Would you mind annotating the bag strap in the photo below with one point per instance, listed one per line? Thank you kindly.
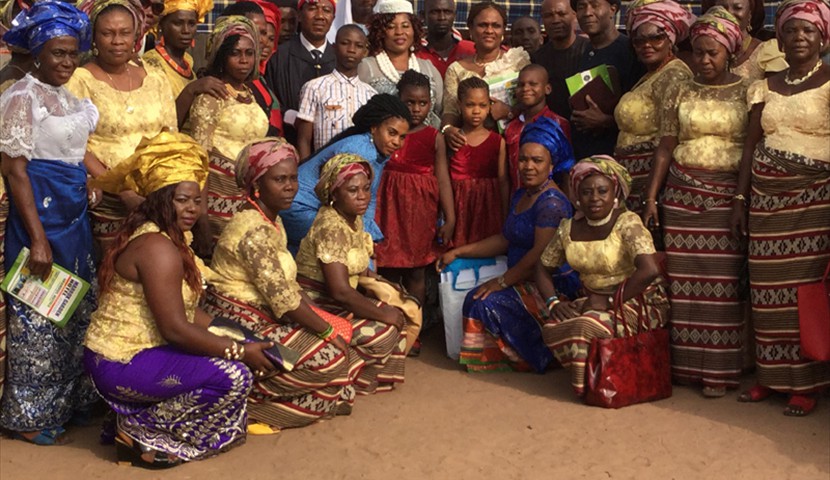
(619, 310)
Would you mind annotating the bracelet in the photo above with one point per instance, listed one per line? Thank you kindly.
(235, 351)
(740, 197)
(502, 283)
(326, 334)
(552, 302)
(650, 200)
(445, 128)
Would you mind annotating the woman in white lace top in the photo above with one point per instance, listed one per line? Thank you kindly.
(43, 136)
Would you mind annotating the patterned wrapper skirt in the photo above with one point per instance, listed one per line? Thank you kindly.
(570, 340)
(224, 197)
(504, 331)
(45, 382)
(4, 213)
(380, 346)
(107, 217)
(315, 388)
(638, 161)
(704, 263)
(789, 245)
(185, 405)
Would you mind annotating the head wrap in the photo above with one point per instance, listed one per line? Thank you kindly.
(93, 8)
(393, 6)
(337, 171)
(547, 133)
(302, 3)
(602, 165)
(45, 20)
(668, 15)
(7, 14)
(201, 7)
(227, 26)
(722, 26)
(258, 156)
(813, 11)
(166, 159)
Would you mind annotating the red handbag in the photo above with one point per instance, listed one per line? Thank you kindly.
(814, 319)
(632, 369)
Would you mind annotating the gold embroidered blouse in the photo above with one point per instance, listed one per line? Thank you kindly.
(226, 125)
(602, 264)
(797, 123)
(639, 112)
(710, 124)
(153, 59)
(123, 325)
(332, 240)
(766, 58)
(125, 117)
(253, 265)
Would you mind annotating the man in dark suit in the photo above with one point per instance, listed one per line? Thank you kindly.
(307, 55)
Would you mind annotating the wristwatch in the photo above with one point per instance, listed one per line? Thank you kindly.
(501, 282)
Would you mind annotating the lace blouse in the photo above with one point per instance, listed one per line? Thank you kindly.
(602, 264)
(252, 264)
(710, 124)
(639, 112)
(332, 240)
(41, 121)
(798, 123)
(126, 117)
(511, 62)
(369, 71)
(124, 325)
(226, 125)
(547, 211)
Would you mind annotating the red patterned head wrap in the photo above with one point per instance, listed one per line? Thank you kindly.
(665, 14)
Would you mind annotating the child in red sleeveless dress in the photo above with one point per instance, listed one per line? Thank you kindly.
(478, 171)
(415, 185)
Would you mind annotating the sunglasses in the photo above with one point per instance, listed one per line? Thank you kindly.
(652, 40)
(156, 7)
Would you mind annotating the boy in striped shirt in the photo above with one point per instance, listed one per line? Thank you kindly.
(327, 103)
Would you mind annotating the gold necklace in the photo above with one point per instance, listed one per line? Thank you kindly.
(242, 96)
(482, 63)
(128, 108)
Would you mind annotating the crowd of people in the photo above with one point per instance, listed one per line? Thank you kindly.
(259, 234)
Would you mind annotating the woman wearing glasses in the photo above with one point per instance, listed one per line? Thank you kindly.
(655, 28)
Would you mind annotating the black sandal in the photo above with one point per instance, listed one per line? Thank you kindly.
(130, 452)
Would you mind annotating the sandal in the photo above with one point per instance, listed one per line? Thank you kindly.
(259, 428)
(755, 394)
(714, 392)
(130, 452)
(800, 405)
(45, 437)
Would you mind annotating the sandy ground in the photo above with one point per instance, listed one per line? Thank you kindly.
(444, 423)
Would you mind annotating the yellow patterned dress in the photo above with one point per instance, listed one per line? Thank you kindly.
(639, 115)
(255, 285)
(153, 59)
(224, 127)
(125, 118)
(765, 59)
(381, 346)
(704, 260)
(602, 265)
(789, 229)
(186, 405)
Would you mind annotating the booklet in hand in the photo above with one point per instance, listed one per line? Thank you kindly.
(280, 355)
(602, 83)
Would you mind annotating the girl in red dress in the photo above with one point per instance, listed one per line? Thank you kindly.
(478, 171)
(415, 182)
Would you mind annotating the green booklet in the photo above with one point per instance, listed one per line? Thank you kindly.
(56, 298)
(576, 82)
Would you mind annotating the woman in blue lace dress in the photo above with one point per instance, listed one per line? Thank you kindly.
(503, 318)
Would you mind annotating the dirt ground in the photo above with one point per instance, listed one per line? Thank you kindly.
(447, 424)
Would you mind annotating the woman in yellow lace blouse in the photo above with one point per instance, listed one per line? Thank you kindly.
(224, 127)
(335, 255)
(133, 103)
(255, 285)
(655, 28)
(699, 153)
(178, 390)
(611, 250)
(784, 182)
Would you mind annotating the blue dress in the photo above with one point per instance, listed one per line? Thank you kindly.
(512, 317)
(298, 219)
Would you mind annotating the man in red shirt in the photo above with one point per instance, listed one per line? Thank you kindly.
(532, 90)
(443, 44)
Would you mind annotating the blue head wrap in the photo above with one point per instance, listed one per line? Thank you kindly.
(45, 20)
(549, 134)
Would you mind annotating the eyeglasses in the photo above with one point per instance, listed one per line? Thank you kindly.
(155, 6)
(653, 40)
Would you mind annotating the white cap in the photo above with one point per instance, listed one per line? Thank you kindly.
(393, 6)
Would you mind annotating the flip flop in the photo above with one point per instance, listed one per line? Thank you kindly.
(800, 405)
(755, 394)
(45, 437)
(258, 428)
